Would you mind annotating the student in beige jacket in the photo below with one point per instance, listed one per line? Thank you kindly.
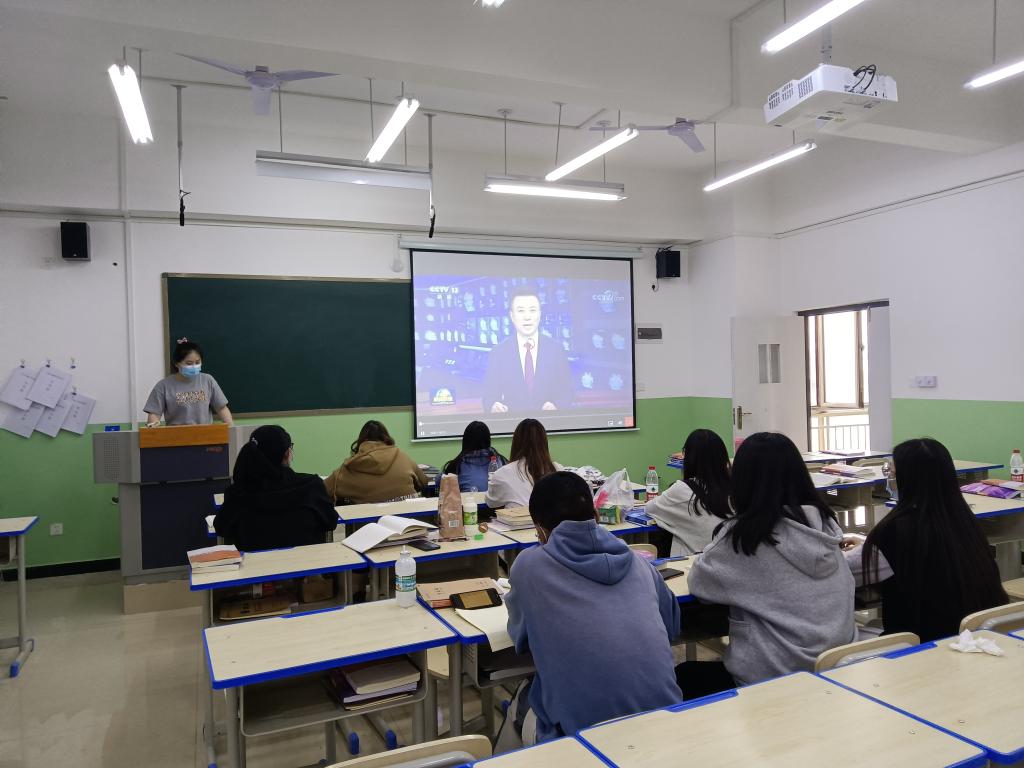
(376, 471)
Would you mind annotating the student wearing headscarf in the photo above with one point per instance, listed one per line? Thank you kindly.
(268, 505)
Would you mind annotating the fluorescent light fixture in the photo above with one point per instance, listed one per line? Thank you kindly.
(580, 190)
(403, 114)
(814, 20)
(764, 165)
(315, 168)
(995, 75)
(126, 86)
(592, 154)
(491, 3)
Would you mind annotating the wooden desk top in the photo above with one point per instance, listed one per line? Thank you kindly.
(255, 651)
(815, 457)
(789, 721)
(961, 466)
(527, 537)
(383, 557)
(973, 695)
(363, 513)
(1015, 589)
(679, 584)
(367, 513)
(563, 753)
(986, 506)
(275, 564)
(468, 633)
(16, 526)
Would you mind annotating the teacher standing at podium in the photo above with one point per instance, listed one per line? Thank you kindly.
(187, 396)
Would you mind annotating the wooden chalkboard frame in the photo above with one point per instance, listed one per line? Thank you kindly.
(316, 278)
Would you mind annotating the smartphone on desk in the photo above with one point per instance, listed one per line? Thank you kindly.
(670, 573)
(424, 545)
(478, 598)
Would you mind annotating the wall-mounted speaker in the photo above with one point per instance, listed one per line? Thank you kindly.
(74, 240)
(668, 264)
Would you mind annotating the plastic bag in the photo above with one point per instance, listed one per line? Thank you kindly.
(449, 508)
(616, 491)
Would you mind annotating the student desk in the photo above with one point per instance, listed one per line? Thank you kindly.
(278, 648)
(352, 514)
(1015, 589)
(381, 559)
(678, 584)
(824, 457)
(1003, 523)
(15, 528)
(978, 697)
(272, 565)
(789, 721)
(527, 537)
(1019, 634)
(562, 753)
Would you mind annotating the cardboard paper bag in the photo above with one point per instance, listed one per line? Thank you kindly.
(449, 508)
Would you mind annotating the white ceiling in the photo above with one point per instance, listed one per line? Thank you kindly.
(653, 59)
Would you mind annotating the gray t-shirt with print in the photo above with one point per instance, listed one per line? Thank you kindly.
(186, 402)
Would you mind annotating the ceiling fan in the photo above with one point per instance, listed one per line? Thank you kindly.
(261, 79)
(682, 129)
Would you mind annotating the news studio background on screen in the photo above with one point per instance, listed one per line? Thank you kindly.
(501, 337)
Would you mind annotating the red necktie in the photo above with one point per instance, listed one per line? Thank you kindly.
(528, 366)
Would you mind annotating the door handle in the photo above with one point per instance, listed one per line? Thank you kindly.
(737, 418)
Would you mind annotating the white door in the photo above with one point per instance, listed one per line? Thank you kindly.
(769, 377)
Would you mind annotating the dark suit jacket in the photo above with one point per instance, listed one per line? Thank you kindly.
(504, 382)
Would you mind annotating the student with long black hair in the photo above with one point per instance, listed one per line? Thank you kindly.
(269, 505)
(474, 460)
(530, 460)
(692, 508)
(778, 566)
(941, 564)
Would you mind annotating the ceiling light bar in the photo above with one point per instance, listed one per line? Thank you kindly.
(808, 24)
(403, 114)
(491, 3)
(129, 96)
(316, 168)
(592, 154)
(995, 75)
(764, 165)
(579, 190)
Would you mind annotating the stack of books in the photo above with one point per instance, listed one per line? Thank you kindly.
(638, 516)
(223, 557)
(372, 683)
(997, 489)
(513, 519)
(848, 470)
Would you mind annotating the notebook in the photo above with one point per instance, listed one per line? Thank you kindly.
(222, 557)
(390, 529)
(376, 677)
(995, 489)
(848, 470)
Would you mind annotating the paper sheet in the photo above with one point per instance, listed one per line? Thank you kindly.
(16, 389)
(22, 423)
(78, 415)
(53, 418)
(49, 386)
(493, 622)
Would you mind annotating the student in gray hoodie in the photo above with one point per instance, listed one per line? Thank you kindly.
(597, 618)
(780, 569)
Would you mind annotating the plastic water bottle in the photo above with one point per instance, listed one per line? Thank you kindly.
(405, 579)
(1016, 466)
(652, 482)
(492, 467)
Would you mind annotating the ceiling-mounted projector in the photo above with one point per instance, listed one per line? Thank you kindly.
(831, 96)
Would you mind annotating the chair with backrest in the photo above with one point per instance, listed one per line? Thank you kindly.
(443, 753)
(864, 649)
(1002, 618)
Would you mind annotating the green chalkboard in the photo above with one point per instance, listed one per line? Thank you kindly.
(297, 344)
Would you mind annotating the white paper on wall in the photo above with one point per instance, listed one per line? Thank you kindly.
(15, 391)
(78, 414)
(21, 422)
(49, 386)
(53, 418)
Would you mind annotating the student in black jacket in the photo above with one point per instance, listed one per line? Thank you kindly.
(268, 505)
(942, 568)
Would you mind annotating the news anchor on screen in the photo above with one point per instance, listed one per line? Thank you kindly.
(529, 370)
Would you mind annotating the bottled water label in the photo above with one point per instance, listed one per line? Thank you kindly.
(405, 583)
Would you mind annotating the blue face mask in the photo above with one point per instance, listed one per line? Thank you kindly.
(191, 371)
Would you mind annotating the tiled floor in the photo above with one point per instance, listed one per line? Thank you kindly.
(105, 689)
